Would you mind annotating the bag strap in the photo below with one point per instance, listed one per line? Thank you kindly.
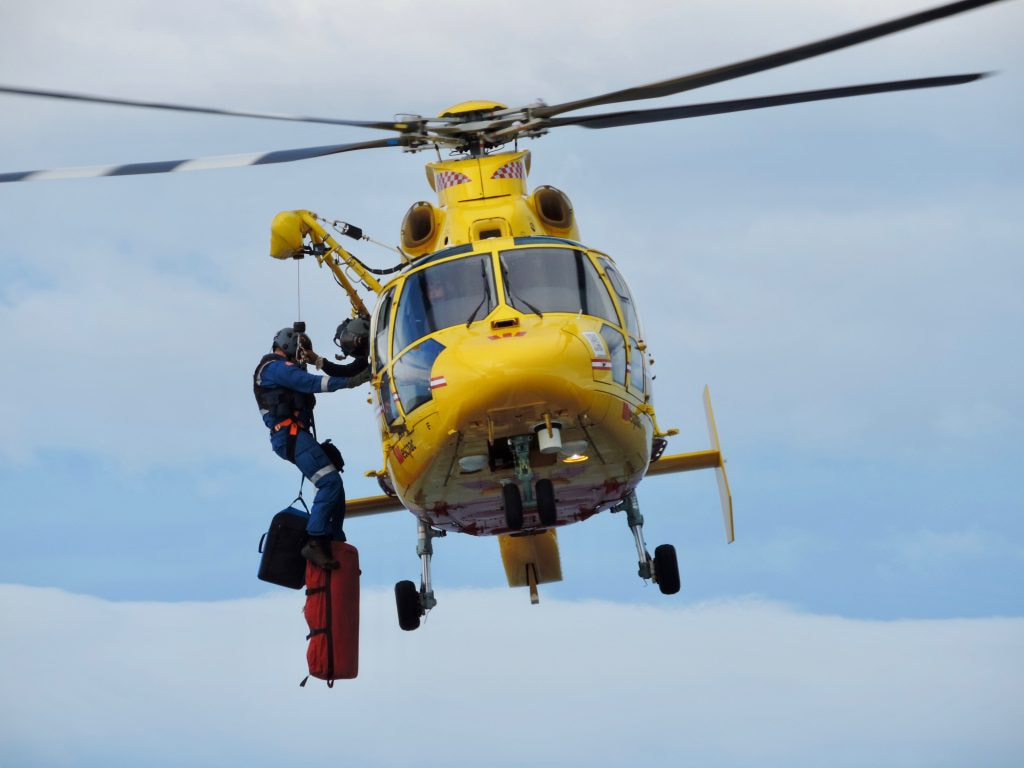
(299, 498)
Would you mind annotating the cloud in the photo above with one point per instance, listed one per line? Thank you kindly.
(490, 679)
(925, 551)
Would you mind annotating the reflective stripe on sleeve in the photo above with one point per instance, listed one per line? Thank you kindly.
(320, 474)
(325, 382)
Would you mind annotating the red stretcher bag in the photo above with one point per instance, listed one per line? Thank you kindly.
(332, 612)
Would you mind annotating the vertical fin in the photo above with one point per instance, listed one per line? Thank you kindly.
(723, 481)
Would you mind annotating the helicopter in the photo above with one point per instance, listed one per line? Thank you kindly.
(508, 296)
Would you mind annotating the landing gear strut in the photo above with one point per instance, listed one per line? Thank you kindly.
(413, 604)
(663, 568)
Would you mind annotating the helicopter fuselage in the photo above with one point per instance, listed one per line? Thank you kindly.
(510, 360)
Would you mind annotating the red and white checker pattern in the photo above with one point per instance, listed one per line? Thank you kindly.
(445, 179)
(512, 170)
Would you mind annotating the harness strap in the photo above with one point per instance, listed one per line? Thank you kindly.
(293, 425)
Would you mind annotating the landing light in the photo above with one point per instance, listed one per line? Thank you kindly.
(575, 458)
(573, 451)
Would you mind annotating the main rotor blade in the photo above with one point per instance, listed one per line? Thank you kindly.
(762, 63)
(198, 164)
(383, 125)
(639, 116)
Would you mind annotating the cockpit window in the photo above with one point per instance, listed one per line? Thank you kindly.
(555, 280)
(442, 295)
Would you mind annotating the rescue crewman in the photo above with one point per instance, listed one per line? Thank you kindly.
(285, 395)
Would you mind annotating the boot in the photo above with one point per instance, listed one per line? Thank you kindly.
(317, 551)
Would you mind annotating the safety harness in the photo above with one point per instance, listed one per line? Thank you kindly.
(282, 403)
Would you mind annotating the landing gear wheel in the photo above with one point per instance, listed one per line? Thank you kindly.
(546, 502)
(407, 599)
(513, 506)
(666, 569)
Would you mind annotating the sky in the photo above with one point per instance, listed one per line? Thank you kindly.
(845, 276)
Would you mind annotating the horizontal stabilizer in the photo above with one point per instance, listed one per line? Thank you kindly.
(372, 505)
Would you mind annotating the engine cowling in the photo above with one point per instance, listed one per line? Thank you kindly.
(554, 212)
(421, 228)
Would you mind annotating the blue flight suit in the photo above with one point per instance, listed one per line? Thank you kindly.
(328, 512)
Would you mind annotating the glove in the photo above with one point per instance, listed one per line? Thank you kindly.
(310, 357)
(360, 378)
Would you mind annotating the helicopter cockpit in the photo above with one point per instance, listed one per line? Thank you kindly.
(461, 286)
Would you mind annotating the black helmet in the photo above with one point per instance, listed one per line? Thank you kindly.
(287, 340)
(353, 337)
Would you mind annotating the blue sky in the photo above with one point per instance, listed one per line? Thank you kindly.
(845, 276)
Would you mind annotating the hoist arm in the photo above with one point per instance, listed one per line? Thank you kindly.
(293, 234)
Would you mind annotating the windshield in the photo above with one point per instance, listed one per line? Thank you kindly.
(555, 280)
(442, 295)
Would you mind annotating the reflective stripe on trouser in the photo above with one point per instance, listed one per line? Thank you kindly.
(327, 515)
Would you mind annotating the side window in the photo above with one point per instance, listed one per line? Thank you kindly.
(387, 402)
(412, 374)
(616, 351)
(625, 298)
(636, 369)
(382, 323)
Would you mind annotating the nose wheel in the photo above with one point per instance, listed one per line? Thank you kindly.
(663, 568)
(513, 499)
(546, 508)
(541, 493)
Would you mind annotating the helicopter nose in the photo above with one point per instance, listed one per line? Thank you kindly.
(519, 367)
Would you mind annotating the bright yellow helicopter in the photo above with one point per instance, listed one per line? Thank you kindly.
(510, 373)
